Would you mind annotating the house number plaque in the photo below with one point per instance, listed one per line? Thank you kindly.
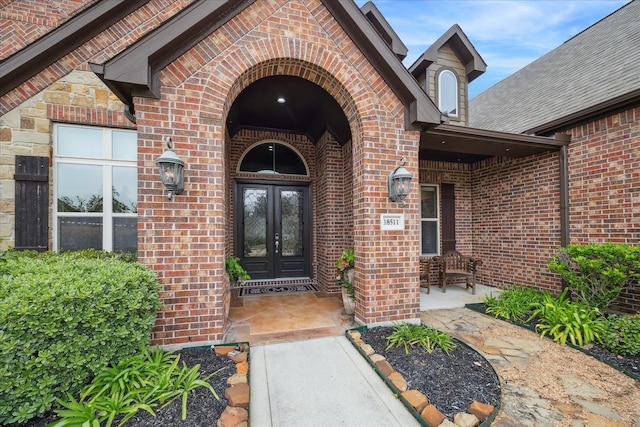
(391, 222)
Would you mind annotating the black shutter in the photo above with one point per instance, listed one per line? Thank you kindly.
(32, 203)
(448, 217)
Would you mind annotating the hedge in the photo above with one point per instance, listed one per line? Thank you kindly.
(62, 319)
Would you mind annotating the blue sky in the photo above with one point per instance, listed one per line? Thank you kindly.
(508, 34)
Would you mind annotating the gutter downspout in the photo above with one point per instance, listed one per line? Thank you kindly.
(564, 193)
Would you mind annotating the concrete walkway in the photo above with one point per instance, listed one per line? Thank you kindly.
(326, 382)
(319, 382)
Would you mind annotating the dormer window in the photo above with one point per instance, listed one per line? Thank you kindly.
(448, 93)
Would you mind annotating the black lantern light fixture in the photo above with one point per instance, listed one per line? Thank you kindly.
(171, 170)
(399, 183)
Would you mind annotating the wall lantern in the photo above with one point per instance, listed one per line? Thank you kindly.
(399, 183)
(171, 170)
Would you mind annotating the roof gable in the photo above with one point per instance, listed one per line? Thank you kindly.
(135, 71)
(459, 42)
(29, 61)
(587, 75)
(384, 29)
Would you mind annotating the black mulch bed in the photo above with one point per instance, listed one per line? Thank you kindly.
(202, 407)
(630, 365)
(451, 382)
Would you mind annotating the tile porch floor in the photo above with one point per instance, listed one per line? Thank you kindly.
(293, 317)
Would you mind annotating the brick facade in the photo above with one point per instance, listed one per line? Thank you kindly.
(507, 210)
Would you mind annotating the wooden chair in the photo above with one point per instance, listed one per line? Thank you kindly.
(455, 265)
(425, 272)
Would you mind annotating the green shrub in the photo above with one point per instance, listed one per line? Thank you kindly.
(235, 270)
(515, 303)
(143, 381)
(63, 318)
(622, 334)
(562, 320)
(597, 273)
(408, 335)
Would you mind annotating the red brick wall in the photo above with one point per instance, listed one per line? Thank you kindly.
(185, 239)
(334, 222)
(604, 185)
(22, 22)
(516, 219)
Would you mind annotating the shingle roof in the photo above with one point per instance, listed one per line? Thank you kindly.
(596, 66)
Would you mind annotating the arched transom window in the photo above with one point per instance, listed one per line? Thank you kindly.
(272, 157)
(448, 93)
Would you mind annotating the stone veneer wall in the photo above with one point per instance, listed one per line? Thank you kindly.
(79, 97)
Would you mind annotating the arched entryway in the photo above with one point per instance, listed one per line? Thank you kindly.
(289, 169)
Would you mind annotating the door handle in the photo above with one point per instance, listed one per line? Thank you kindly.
(277, 242)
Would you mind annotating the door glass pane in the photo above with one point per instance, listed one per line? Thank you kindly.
(291, 209)
(124, 145)
(255, 222)
(125, 234)
(125, 190)
(79, 142)
(79, 232)
(429, 237)
(79, 188)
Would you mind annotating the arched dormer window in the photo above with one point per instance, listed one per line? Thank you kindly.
(272, 157)
(448, 93)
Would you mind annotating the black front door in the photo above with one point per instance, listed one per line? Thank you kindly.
(273, 230)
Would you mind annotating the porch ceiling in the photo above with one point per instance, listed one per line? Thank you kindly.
(307, 109)
(453, 143)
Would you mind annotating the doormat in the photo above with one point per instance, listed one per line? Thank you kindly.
(277, 289)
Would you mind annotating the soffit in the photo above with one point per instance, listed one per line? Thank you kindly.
(447, 142)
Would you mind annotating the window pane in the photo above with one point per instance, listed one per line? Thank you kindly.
(80, 232)
(124, 145)
(448, 93)
(79, 188)
(429, 237)
(428, 202)
(79, 142)
(288, 161)
(125, 190)
(125, 234)
(272, 157)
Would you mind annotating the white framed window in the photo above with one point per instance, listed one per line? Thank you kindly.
(448, 93)
(429, 220)
(95, 188)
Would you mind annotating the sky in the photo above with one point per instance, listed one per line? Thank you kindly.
(508, 34)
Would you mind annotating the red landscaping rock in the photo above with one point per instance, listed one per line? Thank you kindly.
(233, 417)
(223, 349)
(416, 399)
(238, 395)
(242, 367)
(480, 410)
(238, 356)
(398, 381)
(432, 416)
(385, 367)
